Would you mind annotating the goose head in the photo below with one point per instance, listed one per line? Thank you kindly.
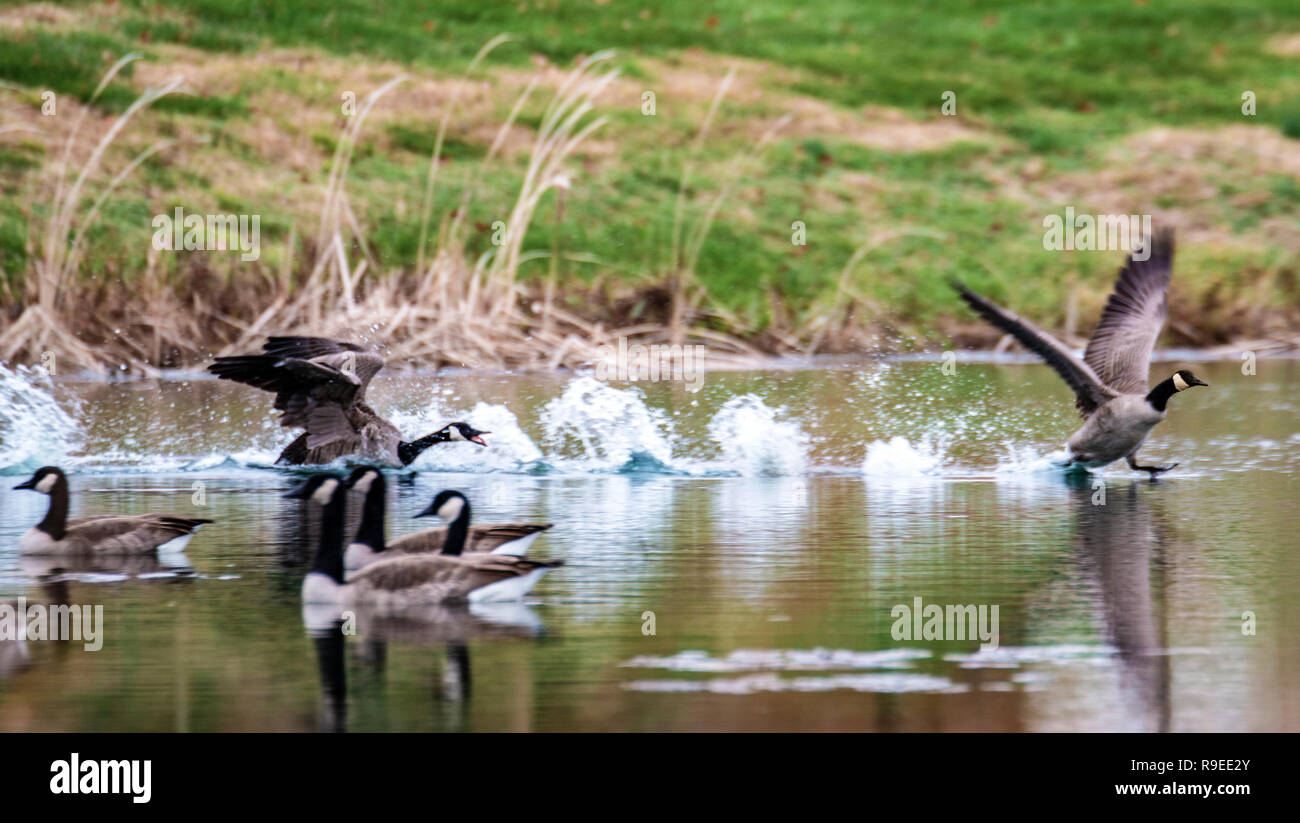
(1184, 380)
(447, 505)
(450, 433)
(463, 431)
(319, 488)
(44, 480)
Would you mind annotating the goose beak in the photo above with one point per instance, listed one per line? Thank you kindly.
(426, 513)
(298, 492)
(30, 484)
(477, 438)
(1196, 381)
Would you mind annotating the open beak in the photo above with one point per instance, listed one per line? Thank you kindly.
(298, 492)
(477, 438)
(30, 484)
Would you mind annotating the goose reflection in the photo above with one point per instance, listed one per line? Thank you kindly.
(1119, 546)
(447, 625)
(144, 566)
(16, 651)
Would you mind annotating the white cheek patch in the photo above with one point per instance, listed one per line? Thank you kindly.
(323, 494)
(47, 483)
(363, 485)
(451, 509)
(455, 434)
(1179, 382)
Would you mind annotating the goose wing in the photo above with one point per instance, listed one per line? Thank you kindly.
(1089, 390)
(1120, 348)
(126, 533)
(464, 572)
(317, 382)
(482, 538)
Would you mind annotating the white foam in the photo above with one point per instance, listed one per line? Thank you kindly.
(754, 442)
(508, 448)
(898, 459)
(34, 429)
(604, 428)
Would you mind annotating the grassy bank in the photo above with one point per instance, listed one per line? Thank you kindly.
(674, 225)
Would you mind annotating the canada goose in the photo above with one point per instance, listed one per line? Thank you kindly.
(320, 385)
(1110, 383)
(99, 534)
(412, 581)
(370, 543)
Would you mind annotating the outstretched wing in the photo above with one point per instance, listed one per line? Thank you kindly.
(1121, 345)
(317, 382)
(1090, 392)
(360, 362)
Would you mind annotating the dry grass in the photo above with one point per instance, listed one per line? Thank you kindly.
(48, 322)
(448, 309)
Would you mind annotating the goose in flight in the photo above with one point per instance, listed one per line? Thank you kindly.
(320, 385)
(1110, 383)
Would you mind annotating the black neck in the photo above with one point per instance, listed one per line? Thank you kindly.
(371, 530)
(457, 532)
(1160, 395)
(55, 523)
(407, 452)
(329, 557)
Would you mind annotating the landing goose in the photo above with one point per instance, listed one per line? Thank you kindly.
(411, 582)
(370, 543)
(106, 534)
(1110, 383)
(320, 385)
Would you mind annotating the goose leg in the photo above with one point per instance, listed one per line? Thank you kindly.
(1153, 470)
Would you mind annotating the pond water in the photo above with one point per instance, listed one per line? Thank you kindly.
(737, 558)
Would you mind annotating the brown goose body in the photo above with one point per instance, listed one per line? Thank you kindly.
(320, 386)
(398, 584)
(109, 534)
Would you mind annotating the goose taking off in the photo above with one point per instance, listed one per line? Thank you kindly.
(320, 385)
(408, 583)
(1110, 383)
(370, 544)
(107, 534)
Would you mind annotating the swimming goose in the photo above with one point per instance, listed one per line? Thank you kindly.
(1110, 383)
(370, 543)
(99, 534)
(411, 582)
(320, 385)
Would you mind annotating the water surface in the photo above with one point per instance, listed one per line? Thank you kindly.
(733, 555)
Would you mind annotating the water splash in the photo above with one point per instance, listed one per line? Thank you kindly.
(606, 429)
(509, 448)
(898, 459)
(34, 429)
(754, 442)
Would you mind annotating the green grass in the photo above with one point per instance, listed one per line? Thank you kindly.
(1058, 85)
